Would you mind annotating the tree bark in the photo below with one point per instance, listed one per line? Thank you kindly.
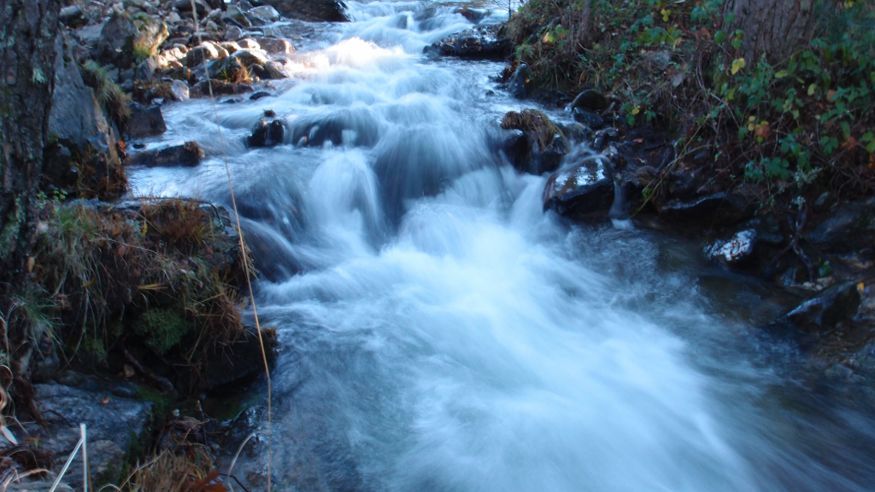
(27, 59)
(772, 28)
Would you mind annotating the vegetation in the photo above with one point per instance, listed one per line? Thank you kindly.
(109, 94)
(791, 128)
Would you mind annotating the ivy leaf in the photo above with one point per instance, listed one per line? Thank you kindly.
(737, 65)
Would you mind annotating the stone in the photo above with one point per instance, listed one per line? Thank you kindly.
(72, 16)
(848, 227)
(188, 154)
(520, 82)
(114, 421)
(579, 192)
(590, 100)
(827, 309)
(716, 209)
(267, 133)
(547, 144)
(258, 95)
(179, 90)
(146, 69)
(116, 43)
(145, 121)
(201, 7)
(276, 46)
(237, 362)
(591, 120)
(265, 12)
(311, 10)
(203, 52)
(480, 43)
(219, 87)
(230, 69)
(251, 57)
(733, 250)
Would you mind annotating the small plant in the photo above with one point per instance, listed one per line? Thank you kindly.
(109, 94)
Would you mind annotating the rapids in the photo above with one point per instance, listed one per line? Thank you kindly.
(438, 331)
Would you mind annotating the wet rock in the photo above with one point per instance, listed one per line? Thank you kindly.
(276, 46)
(265, 12)
(258, 95)
(72, 16)
(590, 119)
(219, 88)
(230, 69)
(179, 90)
(236, 362)
(590, 100)
(827, 309)
(580, 192)
(251, 57)
(473, 16)
(716, 209)
(114, 420)
(146, 69)
(311, 10)
(235, 17)
(733, 250)
(520, 82)
(201, 7)
(350, 127)
(603, 137)
(145, 121)
(188, 154)
(547, 144)
(267, 133)
(480, 43)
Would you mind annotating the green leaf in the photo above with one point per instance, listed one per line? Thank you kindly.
(737, 65)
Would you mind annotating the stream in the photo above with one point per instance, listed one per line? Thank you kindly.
(439, 332)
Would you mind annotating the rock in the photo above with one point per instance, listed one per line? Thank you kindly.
(473, 16)
(72, 16)
(547, 143)
(219, 88)
(203, 52)
(267, 133)
(258, 95)
(229, 69)
(188, 154)
(480, 43)
(733, 250)
(588, 118)
(237, 362)
(145, 121)
(580, 192)
(848, 227)
(146, 69)
(150, 35)
(274, 71)
(603, 137)
(716, 209)
(85, 157)
(179, 90)
(265, 12)
(520, 82)
(251, 57)
(114, 423)
(116, 43)
(311, 10)
(827, 309)
(236, 18)
(276, 46)
(201, 7)
(590, 100)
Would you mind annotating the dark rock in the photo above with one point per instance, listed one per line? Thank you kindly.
(237, 361)
(588, 118)
(716, 209)
(827, 309)
(348, 126)
(219, 87)
(267, 133)
(188, 154)
(145, 121)
(733, 250)
(520, 82)
(480, 43)
(311, 10)
(590, 100)
(85, 156)
(603, 137)
(201, 7)
(116, 43)
(547, 144)
(114, 424)
(580, 192)
(72, 16)
(230, 69)
(848, 227)
(258, 95)
(146, 69)
(473, 16)
(265, 12)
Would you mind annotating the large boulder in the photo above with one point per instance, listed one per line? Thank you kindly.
(145, 121)
(311, 10)
(123, 40)
(827, 309)
(480, 43)
(83, 156)
(267, 133)
(188, 154)
(580, 192)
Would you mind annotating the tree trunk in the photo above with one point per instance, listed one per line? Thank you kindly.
(772, 28)
(27, 59)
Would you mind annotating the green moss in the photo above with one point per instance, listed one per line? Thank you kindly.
(163, 329)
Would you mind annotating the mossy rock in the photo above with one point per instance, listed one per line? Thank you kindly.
(163, 329)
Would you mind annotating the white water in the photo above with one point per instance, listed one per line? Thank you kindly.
(439, 332)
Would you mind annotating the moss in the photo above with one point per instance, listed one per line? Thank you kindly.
(114, 100)
(534, 123)
(163, 329)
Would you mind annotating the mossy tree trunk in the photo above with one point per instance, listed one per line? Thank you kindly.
(27, 58)
(773, 28)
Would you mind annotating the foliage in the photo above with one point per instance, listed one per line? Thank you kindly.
(792, 129)
(109, 94)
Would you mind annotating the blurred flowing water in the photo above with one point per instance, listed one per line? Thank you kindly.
(439, 332)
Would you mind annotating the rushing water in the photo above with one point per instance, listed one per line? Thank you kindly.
(439, 332)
